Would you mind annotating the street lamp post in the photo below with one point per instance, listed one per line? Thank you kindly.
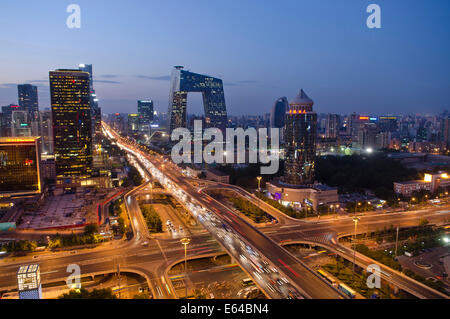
(355, 220)
(185, 241)
(259, 183)
(396, 243)
(356, 206)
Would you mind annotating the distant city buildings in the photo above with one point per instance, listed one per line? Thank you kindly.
(183, 82)
(333, 123)
(133, 123)
(28, 100)
(72, 123)
(145, 111)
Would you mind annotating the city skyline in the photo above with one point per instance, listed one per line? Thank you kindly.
(233, 152)
(339, 61)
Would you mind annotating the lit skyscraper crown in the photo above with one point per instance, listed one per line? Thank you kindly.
(301, 103)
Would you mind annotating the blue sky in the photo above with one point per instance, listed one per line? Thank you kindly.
(261, 49)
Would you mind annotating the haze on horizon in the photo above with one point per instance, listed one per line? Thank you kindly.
(261, 51)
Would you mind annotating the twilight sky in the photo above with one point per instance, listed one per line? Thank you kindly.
(262, 50)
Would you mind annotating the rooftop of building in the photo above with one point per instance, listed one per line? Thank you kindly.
(301, 99)
(418, 181)
(317, 186)
(27, 139)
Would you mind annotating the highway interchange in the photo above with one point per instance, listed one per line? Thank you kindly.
(257, 250)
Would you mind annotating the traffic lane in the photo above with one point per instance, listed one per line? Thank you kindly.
(298, 273)
(292, 267)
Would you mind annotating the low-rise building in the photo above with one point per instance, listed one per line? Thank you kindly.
(301, 195)
(430, 183)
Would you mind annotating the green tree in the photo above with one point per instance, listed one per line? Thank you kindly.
(105, 293)
(91, 229)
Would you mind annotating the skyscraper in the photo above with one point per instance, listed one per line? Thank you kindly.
(133, 123)
(183, 82)
(95, 109)
(71, 117)
(300, 141)
(7, 111)
(278, 113)
(46, 131)
(145, 111)
(20, 123)
(333, 122)
(28, 99)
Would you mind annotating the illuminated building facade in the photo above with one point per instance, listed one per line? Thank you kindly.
(300, 141)
(29, 282)
(133, 123)
(20, 123)
(46, 131)
(20, 171)
(6, 129)
(333, 123)
(96, 112)
(72, 129)
(183, 82)
(430, 183)
(28, 99)
(145, 111)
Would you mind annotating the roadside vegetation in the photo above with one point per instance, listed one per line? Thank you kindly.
(253, 212)
(105, 293)
(89, 236)
(287, 210)
(117, 209)
(358, 282)
(388, 260)
(152, 218)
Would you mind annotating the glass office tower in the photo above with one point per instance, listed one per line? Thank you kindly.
(145, 111)
(96, 112)
(28, 100)
(71, 117)
(300, 141)
(183, 82)
(278, 113)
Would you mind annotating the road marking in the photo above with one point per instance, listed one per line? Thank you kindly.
(160, 248)
(159, 291)
(289, 226)
(290, 269)
(167, 287)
